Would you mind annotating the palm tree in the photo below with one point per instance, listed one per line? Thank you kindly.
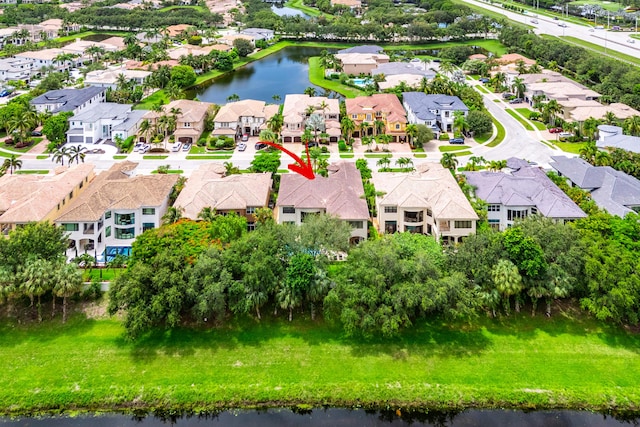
(276, 97)
(173, 91)
(23, 123)
(632, 125)
(230, 169)
(315, 123)
(77, 153)
(311, 91)
(588, 152)
(233, 97)
(551, 110)
(173, 215)
(412, 132)
(508, 281)
(475, 163)
(460, 122)
(364, 128)
(610, 118)
(449, 161)
(347, 126)
(275, 123)
(589, 127)
(534, 69)
(36, 279)
(145, 129)
(518, 87)
(207, 214)
(384, 163)
(68, 282)
(379, 126)
(446, 67)
(60, 154)
(267, 135)
(12, 163)
(521, 66)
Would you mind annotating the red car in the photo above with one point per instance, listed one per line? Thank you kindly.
(555, 130)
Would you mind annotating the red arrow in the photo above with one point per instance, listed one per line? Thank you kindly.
(302, 168)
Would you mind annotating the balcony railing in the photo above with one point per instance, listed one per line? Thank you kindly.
(88, 230)
(413, 217)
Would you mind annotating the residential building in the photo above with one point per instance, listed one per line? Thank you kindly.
(7, 35)
(109, 78)
(74, 100)
(354, 5)
(612, 190)
(209, 187)
(16, 69)
(341, 194)
(176, 30)
(228, 39)
(428, 201)
(34, 198)
(243, 117)
(299, 108)
(525, 191)
(104, 121)
(381, 107)
(190, 118)
(612, 137)
(117, 207)
(186, 50)
(434, 111)
(258, 33)
(356, 64)
(48, 58)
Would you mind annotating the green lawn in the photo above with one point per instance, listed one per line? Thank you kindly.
(481, 139)
(316, 76)
(569, 147)
(209, 157)
(155, 157)
(102, 274)
(347, 155)
(170, 171)
(119, 157)
(31, 172)
(600, 49)
(527, 113)
(147, 103)
(499, 135)
(482, 89)
(420, 155)
(74, 37)
(523, 122)
(377, 155)
(521, 361)
(448, 148)
(42, 156)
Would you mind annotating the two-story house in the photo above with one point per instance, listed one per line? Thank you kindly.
(298, 108)
(16, 69)
(74, 100)
(525, 191)
(190, 118)
(104, 121)
(432, 110)
(361, 60)
(208, 187)
(381, 107)
(341, 194)
(109, 78)
(117, 207)
(34, 198)
(243, 117)
(50, 59)
(428, 201)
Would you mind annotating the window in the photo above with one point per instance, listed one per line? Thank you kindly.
(289, 222)
(71, 227)
(429, 212)
(390, 209)
(125, 233)
(356, 224)
(288, 210)
(107, 215)
(186, 124)
(446, 114)
(493, 208)
(354, 116)
(534, 210)
(71, 195)
(369, 117)
(304, 215)
(107, 232)
(494, 224)
(125, 219)
(462, 224)
(148, 226)
(250, 210)
(397, 126)
(148, 211)
(512, 215)
(251, 226)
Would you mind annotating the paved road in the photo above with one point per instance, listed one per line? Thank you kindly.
(610, 39)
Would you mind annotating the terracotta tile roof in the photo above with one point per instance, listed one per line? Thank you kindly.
(387, 103)
(340, 194)
(118, 188)
(232, 111)
(430, 186)
(25, 198)
(208, 187)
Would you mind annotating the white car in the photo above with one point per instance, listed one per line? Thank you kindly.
(176, 147)
(565, 134)
(631, 41)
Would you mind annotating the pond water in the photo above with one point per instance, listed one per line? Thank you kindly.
(286, 71)
(287, 11)
(337, 417)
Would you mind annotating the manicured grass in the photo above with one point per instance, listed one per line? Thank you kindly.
(448, 148)
(527, 113)
(521, 361)
(281, 171)
(147, 103)
(377, 155)
(102, 274)
(601, 50)
(298, 4)
(203, 150)
(491, 45)
(491, 14)
(463, 153)
(420, 155)
(481, 139)
(523, 122)
(197, 150)
(73, 37)
(316, 76)
(42, 156)
(31, 172)
(170, 171)
(155, 157)
(15, 150)
(570, 147)
(119, 156)
(209, 157)
(501, 133)
(347, 155)
(482, 89)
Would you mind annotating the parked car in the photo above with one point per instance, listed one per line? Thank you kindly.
(631, 41)
(484, 80)
(145, 148)
(555, 18)
(261, 145)
(5, 92)
(245, 138)
(138, 147)
(312, 144)
(534, 21)
(507, 95)
(515, 101)
(562, 24)
(242, 146)
(565, 134)
(186, 146)
(555, 130)
(456, 141)
(176, 147)
(36, 133)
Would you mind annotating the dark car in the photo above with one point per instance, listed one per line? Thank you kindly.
(456, 141)
(312, 144)
(5, 93)
(186, 146)
(260, 145)
(484, 80)
(515, 101)
(36, 133)
(507, 95)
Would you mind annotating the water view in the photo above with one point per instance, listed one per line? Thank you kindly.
(337, 417)
(286, 71)
(287, 11)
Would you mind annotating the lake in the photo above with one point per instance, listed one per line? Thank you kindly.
(283, 72)
(287, 11)
(337, 417)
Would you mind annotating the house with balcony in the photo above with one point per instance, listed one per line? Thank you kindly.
(427, 201)
(612, 190)
(243, 117)
(381, 107)
(64, 100)
(340, 194)
(104, 121)
(109, 78)
(434, 111)
(49, 58)
(356, 64)
(35, 198)
(118, 206)
(525, 191)
(16, 69)
(190, 118)
(208, 187)
(297, 110)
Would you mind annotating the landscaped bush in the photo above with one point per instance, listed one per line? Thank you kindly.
(324, 150)
(444, 137)
(221, 143)
(342, 146)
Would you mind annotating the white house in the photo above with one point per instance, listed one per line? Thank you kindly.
(117, 206)
(432, 110)
(47, 58)
(15, 69)
(74, 100)
(247, 116)
(109, 78)
(104, 121)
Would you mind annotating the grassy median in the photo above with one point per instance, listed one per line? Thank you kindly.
(566, 361)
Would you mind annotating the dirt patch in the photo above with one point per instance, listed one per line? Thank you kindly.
(94, 309)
